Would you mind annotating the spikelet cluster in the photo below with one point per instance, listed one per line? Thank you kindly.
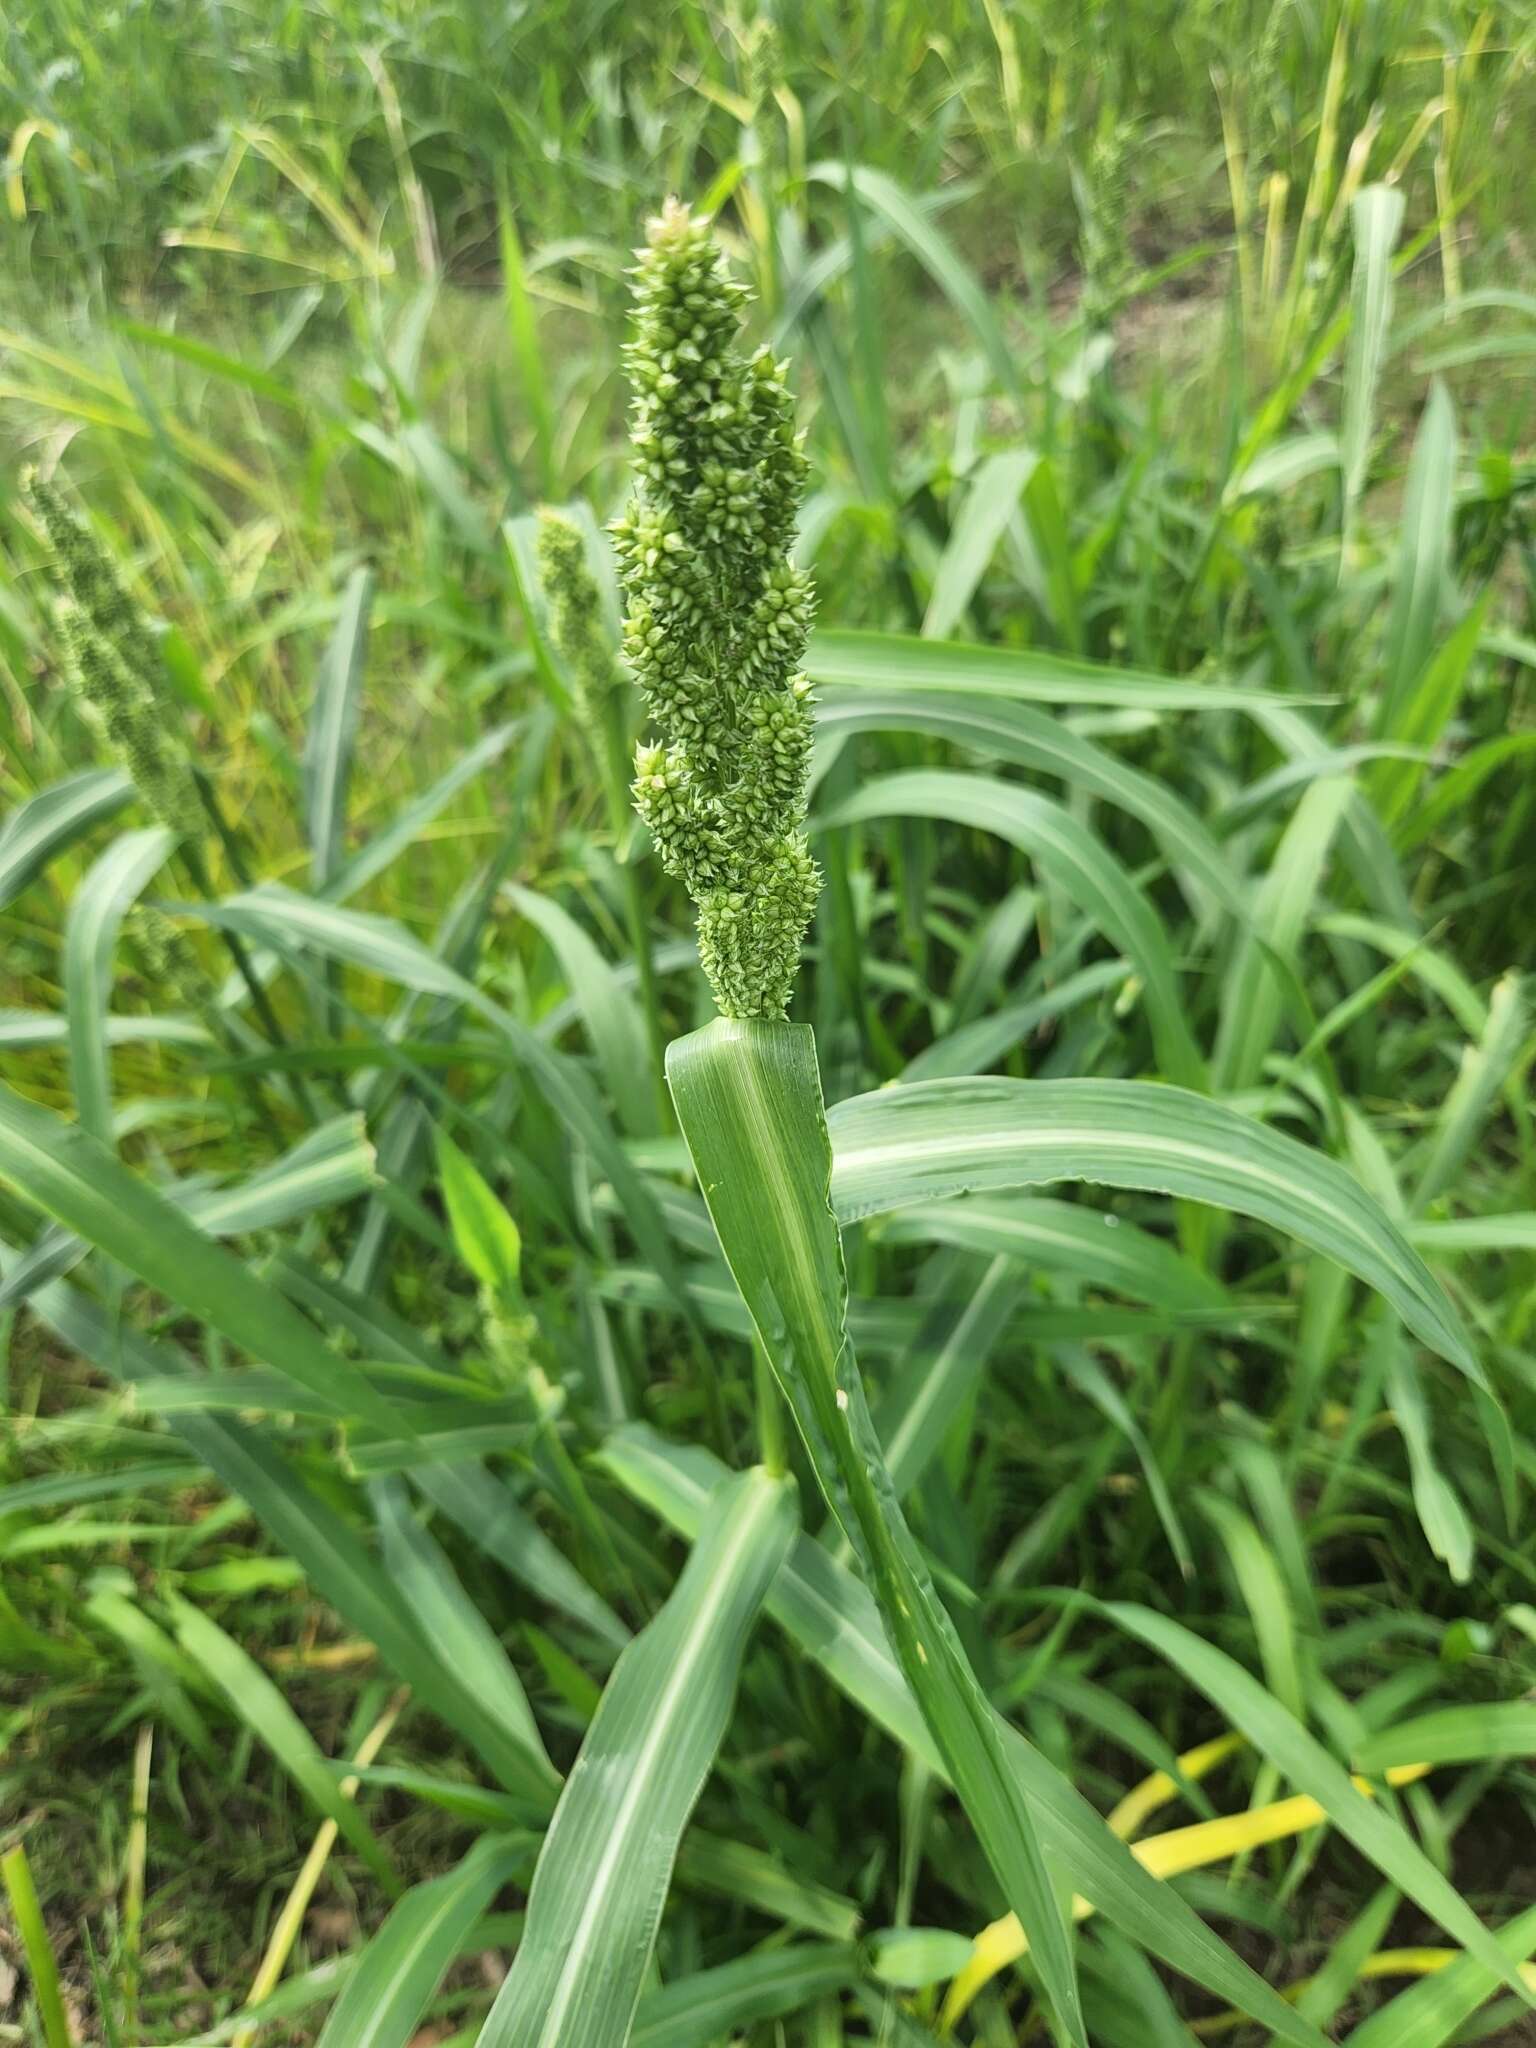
(718, 616)
(576, 619)
(113, 663)
(170, 963)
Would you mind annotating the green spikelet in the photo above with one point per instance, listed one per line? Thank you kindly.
(170, 963)
(113, 663)
(576, 619)
(718, 617)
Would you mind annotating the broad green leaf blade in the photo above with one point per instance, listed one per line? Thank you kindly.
(333, 728)
(894, 660)
(907, 1145)
(66, 1173)
(54, 819)
(484, 1235)
(1258, 1715)
(748, 1099)
(1032, 739)
(96, 912)
(395, 1976)
(602, 1878)
(1071, 855)
(253, 1697)
(823, 1608)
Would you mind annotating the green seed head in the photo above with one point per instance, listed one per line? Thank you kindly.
(718, 616)
(113, 663)
(169, 960)
(576, 618)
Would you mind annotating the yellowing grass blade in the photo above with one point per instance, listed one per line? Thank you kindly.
(1171, 1855)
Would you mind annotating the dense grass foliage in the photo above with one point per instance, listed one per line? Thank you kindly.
(997, 1509)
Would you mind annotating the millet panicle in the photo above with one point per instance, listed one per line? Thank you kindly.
(718, 616)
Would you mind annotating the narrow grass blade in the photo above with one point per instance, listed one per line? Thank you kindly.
(602, 1878)
(1253, 996)
(1431, 2013)
(884, 197)
(1485, 1069)
(1033, 739)
(1454, 1735)
(283, 918)
(384, 848)
(991, 500)
(1256, 1714)
(894, 660)
(256, 1701)
(1377, 215)
(748, 1098)
(1442, 1514)
(607, 1008)
(716, 2005)
(457, 1631)
(1066, 1237)
(333, 728)
(485, 1510)
(71, 1177)
(37, 1947)
(1423, 559)
(332, 1165)
(54, 819)
(906, 1145)
(931, 1388)
(392, 1984)
(1067, 851)
(306, 1526)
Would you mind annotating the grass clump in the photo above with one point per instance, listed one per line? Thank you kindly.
(994, 1509)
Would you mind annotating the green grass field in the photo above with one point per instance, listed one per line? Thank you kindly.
(396, 1267)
